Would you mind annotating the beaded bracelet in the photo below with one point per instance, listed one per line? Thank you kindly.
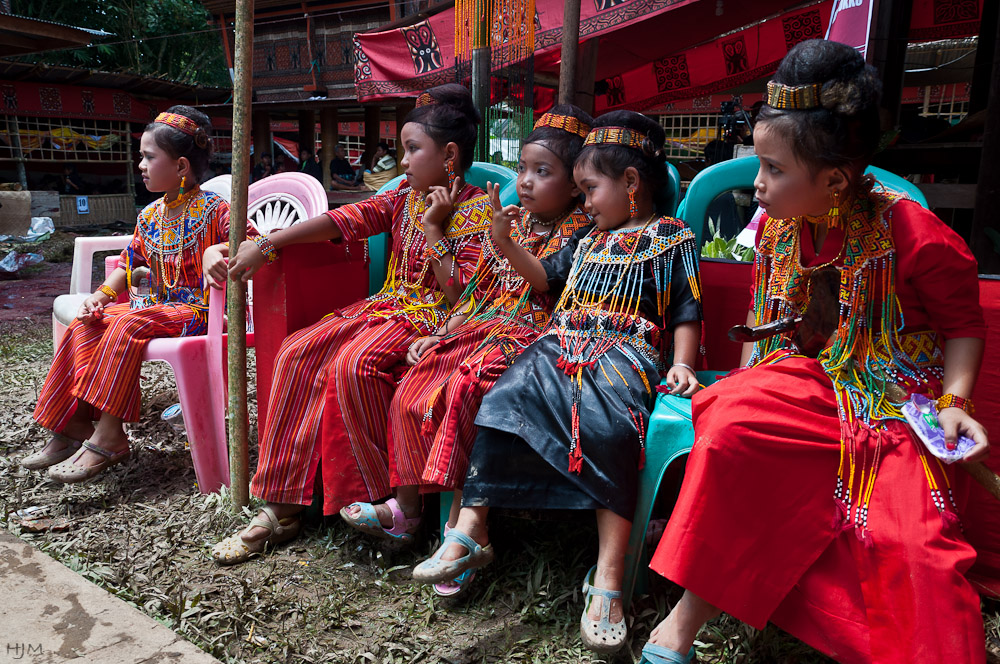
(952, 401)
(438, 250)
(266, 248)
(109, 291)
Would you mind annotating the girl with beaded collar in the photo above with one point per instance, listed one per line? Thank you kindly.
(431, 416)
(178, 239)
(807, 501)
(338, 376)
(564, 426)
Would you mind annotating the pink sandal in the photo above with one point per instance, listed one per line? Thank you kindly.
(367, 521)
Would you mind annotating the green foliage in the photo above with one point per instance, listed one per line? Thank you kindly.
(719, 247)
(164, 38)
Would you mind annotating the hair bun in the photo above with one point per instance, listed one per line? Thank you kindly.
(648, 149)
(201, 139)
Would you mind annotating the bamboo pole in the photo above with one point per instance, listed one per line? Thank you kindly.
(237, 419)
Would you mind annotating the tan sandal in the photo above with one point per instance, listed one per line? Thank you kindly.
(41, 459)
(234, 549)
(68, 472)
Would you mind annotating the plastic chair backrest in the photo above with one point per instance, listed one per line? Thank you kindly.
(283, 199)
(478, 175)
(740, 174)
(673, 191)
(220, 184)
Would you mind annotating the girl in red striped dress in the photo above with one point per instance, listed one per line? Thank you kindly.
(345, 368)
(95, 373)
(431, 417)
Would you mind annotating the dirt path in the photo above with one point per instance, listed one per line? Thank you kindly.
(31, 296)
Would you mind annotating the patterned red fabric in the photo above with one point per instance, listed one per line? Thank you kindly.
(432, 417)
(334, 380)
(756, 532)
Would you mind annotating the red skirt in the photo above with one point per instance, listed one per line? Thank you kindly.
(756, 531)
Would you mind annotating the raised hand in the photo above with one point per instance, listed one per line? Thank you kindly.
(503, 217)
(440, 204)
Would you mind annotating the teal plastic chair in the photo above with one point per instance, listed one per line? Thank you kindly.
(740, 174)
(479, 174)
(670, 434)
(673, 191)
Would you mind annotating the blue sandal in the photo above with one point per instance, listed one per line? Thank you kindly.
(367, 521)
(602, 635)
(458, 585)
(654, 654)
(435, 570)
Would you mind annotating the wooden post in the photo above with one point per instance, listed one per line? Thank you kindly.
(887, 53)
(570, 40)
(373, 115)
(307, 131)
(261, 135)
(328, 137)
(585, 72)
(985, 49)
(236, 297)
(15, 135)
(988, 187)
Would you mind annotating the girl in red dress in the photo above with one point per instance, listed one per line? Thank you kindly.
(350, 361)
(807, 500)
(180, 239)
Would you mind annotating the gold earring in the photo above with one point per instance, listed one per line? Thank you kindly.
(835, 204)
(180, 192)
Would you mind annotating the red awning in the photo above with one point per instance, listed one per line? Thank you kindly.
(650, 53)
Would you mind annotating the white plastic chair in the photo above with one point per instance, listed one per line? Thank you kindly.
(199, 362)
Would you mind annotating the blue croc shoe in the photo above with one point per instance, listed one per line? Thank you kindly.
(654, 654)
(602, 635)
(435, 570)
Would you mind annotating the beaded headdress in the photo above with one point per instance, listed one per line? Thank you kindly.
(630, 138)
(564, 122)
(793, 97)
(179, 122)
(425, 99)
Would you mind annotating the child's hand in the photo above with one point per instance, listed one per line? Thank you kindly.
(418, 347)
(682, 381)
(955, 422)
(249, 258)
(503, 217)
(216, 265)
(92, 308)
(441, 204)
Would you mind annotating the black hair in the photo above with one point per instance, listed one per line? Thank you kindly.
(305, 149)
(563, 144)
(383, 145)
(451, 118)
(612, 159)
(176, 143)
(843, 131)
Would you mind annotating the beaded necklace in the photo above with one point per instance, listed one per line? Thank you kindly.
(169, 245)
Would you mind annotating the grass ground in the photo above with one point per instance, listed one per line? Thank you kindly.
(144, 532)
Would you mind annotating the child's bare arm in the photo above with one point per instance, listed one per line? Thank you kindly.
(962, 357)
(215, 265)
(93, 307)
(681, 379)
(748, 347)
(519, 258)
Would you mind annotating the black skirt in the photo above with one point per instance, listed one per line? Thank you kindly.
(521, 456)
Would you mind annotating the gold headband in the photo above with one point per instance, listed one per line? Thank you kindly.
(630, 138)
(796, 98)
(564, 122)
(179, 122)
(425, 99)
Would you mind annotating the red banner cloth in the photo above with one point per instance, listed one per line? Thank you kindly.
(72, 101)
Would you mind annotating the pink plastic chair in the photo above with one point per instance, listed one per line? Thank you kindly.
(199, 362)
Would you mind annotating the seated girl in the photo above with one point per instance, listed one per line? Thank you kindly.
(564, 427)
(807, 500)
(431, 418)
(179, 239)
(356, 354)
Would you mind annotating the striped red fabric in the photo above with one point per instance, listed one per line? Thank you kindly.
(99, 362)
